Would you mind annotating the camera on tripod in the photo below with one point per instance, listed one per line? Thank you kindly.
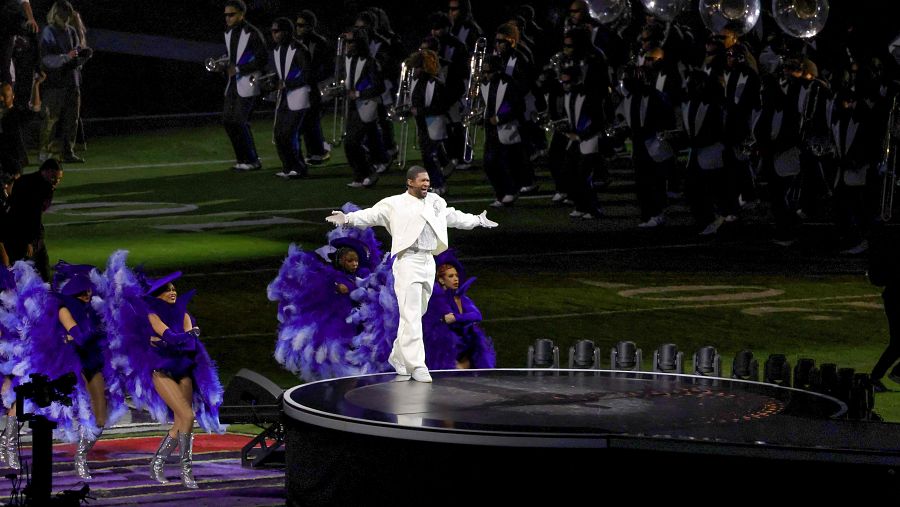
(43, 391)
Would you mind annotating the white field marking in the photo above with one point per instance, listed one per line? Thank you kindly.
(670, 308)
(759, 293)
(153, 209)
(765, 310)
(863, 304)
(231, 225)
(605, 285)
(148, 166)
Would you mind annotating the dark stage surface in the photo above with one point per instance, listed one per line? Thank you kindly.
(510, 421)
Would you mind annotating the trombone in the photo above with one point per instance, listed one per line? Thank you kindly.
(400, 111)
(889, 165)
(473, 104)
(337, 89)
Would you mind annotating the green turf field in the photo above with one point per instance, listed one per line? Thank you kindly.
(168, 198)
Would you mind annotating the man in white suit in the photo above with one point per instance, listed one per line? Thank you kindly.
(417, 222)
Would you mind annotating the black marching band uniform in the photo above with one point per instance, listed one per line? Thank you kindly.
(291, 61)
(248, 54)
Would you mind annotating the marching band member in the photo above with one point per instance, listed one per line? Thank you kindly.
(429, 106)
(364, 89)
(291, 60)
(454, 59)
(246, 57)
(503, 147)
(584, 111)
(463, 26)
(320, 67)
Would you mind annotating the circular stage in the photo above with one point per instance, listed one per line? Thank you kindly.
(510, 421)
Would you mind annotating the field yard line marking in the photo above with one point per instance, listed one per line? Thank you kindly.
(674, 307)
(146, 166)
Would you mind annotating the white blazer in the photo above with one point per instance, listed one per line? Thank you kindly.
(404, 216)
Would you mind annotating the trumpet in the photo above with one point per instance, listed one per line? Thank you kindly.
(473, 104)
(266, 83)
(401, 110)
(216, 64)
(549, 124)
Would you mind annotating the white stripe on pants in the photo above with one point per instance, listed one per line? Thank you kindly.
(413, 283)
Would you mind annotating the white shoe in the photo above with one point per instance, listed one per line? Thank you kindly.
(730, 218)
(509, 199)
(496, 204)
(282, 174)
(653, 222)
(802, 214)
(529, 189)
(380, 168)
(355, 184)
(568, 201)
(558, 197)
(858, 249)
(713, 227)
(370, 181)
(421, 374)
(576, 214)
(588, 216)
(293, 174)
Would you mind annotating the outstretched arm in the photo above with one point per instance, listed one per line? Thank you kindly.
(379, 214)
(459, 220)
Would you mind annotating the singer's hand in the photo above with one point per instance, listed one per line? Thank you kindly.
(338, 218)
(484, 221)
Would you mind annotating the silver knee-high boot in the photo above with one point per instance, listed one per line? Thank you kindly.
(186, 444)
(12, 442)
(86, 441)
(4, 437)
(159, 460)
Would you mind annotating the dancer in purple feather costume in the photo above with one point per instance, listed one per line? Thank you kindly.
(79, 328)
(320, 295)
(451, 332)
(169, 373)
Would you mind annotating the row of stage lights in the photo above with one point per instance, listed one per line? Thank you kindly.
(854, 389)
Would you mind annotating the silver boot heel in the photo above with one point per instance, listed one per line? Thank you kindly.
(4, 437)
(159, 459)
(186, 444)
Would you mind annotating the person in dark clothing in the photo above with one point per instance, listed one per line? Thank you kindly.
(14, 16)
(13, 120)
(30, 198)
(884, 251)
(291, 59)
(321, 64)
(247, 56)
(364, 88)
(62, 56)
(463, 26)
(6, 180)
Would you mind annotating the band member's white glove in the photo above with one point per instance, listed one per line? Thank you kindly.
(338, 218)
(484, 221)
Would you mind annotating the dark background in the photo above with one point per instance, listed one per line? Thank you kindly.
(118, 85)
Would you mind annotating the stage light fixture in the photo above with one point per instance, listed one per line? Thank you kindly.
(805, 373)
(777, 370)
(584, 355)
(667, 359)
(707, 362)
(745, 366)
(626, 356)
(543, 354)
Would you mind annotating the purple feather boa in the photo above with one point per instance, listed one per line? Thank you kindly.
(128, 328)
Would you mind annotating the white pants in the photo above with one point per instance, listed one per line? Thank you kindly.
(413, 284)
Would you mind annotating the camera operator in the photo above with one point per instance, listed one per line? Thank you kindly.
(61, 58)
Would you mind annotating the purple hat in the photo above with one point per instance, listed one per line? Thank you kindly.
(449, 257)
(156, 284)
(354, 244)
(72, 279)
